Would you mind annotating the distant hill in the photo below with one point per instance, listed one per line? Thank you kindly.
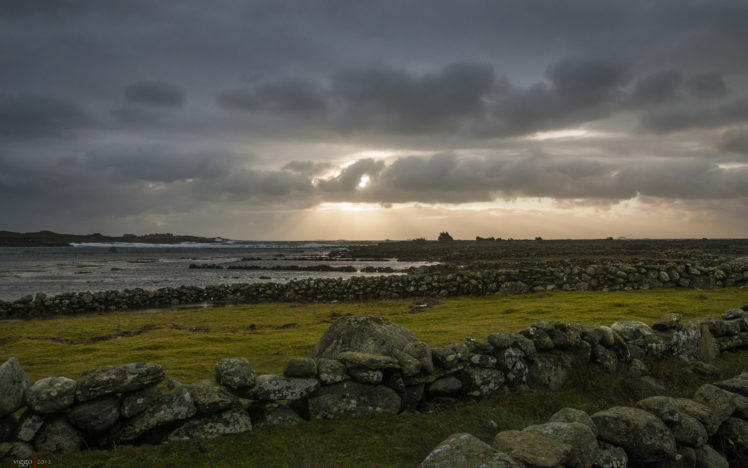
(53, 239)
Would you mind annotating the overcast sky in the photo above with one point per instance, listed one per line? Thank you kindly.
(372, 120)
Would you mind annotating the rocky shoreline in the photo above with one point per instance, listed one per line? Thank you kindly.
(565, 276)
(365, 365)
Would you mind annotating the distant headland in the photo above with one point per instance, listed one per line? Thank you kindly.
(54, 239)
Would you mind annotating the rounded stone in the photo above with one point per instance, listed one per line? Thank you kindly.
(51, 395)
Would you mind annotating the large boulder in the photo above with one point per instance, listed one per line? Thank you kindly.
(330, 371)
(631, 330)
(704, 414)
(116, 379)
(735, 385)
(51, 395)
(569, 415)
(665, 408)
(610, 456)
(458, 451)
(362, 333)
(689, 431)
(13, 384)
(352, 399)
(643, 436)
(720, 401)
(58, 436)
(95, 415)
(233, 421)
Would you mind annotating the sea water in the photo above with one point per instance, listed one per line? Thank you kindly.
(101, 267)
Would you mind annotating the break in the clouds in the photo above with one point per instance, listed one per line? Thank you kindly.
(304, 119)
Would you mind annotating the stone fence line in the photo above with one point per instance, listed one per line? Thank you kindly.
(364, 365)
(606, 276)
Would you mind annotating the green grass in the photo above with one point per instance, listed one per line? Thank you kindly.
(189, 342)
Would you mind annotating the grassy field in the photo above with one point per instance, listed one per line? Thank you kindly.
(188, 343)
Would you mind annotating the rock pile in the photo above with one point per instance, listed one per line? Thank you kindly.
(606, 276)
(366, 365)
(659, 430)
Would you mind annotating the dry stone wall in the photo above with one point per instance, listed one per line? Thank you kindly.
(365, 365)
(606, 276)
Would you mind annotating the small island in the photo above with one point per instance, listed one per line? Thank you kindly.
(54, 239)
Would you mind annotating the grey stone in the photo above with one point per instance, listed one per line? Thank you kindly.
(58, 436)
(720, 328)
(451, 357)
(707, 457)
(368, 360)
(483, 360)
(366, 376)
(539, 337)
(235, 373)
(330, 371)
(643, 436)
(733, 434)
(13, 385)
(409, 365)
(533, 448)
(300, 367)
(102, 381)
(352, 399)
(478, 346)
(271, 387)
(734, 314)
(51, 395)
(211, 398)
(637, 368)
(501, 340)
(668, 322)
(445, 386)
(663, 407)
(458, 451)
(605, 357)
(631, 330)
(422, 352)
(29, 425)
(95, 415)
(272, 414)
(500, 460)
(527, 346)
(175, 405)
(702, 368)
(481, 382)
(609, 456)
(136, 402)
(362, 333)
(734, 385)
(569, 415)
(579, 436)
(689, 431)
(702, 413)
(706, 350)
(233, 421)
(720, 401)
(550, 370)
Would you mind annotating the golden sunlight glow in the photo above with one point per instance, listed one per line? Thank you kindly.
(364, 181)
(348, 206)
(557, 134)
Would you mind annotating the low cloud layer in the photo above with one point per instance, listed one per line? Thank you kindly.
(158, 114)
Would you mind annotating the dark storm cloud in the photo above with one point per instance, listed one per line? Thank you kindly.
(734, 140)
(156, 93)
(397, 101)
(707, 85)
(125, 108)
(698, 115)
(285, 95)
(660, 87)
(36, 116)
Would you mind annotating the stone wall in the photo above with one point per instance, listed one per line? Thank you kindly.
(607, 276)
(365, 365)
